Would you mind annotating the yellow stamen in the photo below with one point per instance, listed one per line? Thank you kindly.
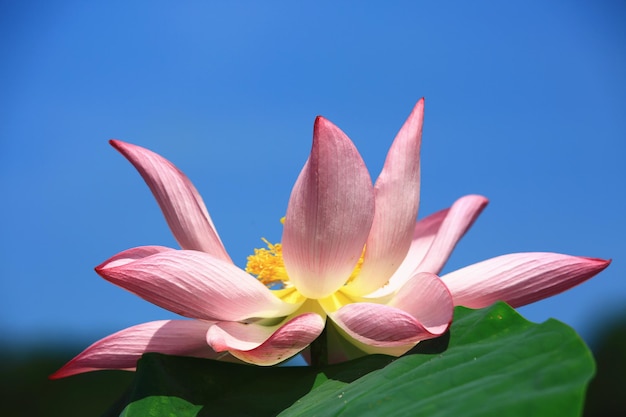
(269, 267)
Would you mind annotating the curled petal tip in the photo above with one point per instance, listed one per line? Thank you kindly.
(420, 310)
(266, 346)
(378, 328)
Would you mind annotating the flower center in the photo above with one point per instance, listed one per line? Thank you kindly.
(268, 266)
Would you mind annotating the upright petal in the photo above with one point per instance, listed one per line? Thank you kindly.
(519, 278)
(266, 345)
(179, 200)
(397, 196)
(196, 285)
(330, 214)
(121, 350)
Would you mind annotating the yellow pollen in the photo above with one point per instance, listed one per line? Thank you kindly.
(269, 267)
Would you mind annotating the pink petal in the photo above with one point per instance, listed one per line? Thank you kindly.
(421, 309)
(122, 349)
(266, 345)
(329, 216)
(434, 238)
(196, 285)
(130, 255)
(426, 298)
(424, 234)
(377, 328)
(458, 220)
(397, 192)
(519, 278)
(179, 200)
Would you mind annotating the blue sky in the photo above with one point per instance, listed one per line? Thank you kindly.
(525, 104)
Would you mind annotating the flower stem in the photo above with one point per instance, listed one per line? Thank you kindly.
(319, 350)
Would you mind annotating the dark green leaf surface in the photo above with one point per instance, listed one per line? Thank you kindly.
(496, 364)
(492, 363)
(226, 389)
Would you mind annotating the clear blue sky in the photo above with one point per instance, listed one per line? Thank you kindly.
(525, 104)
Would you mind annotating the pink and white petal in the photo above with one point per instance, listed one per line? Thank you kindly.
(266, 345)
(179, 200)
(426, 298)
(130, 255)
(342, 347)
(121, 350)
(377, 326)
(329, 216)
(519, 278)
(424, 234)
(459, 219)
(434, 238)
(197, 285)
(397, 196)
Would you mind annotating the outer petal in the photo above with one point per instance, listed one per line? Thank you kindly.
(179, 200)
(196, 285)
(426, 298)
(434, 238)
(519, 278)
(122, 349)
(329, 216)
(422, 309)
(378, 328)
(133, 254)
(266, 345)
(397, 192)
(458, 220)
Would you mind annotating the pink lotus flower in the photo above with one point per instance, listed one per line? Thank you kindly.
(351, 251)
